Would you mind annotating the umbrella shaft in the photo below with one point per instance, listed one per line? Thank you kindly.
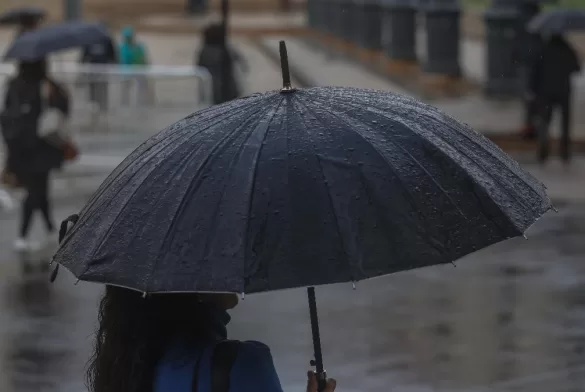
(320, 373)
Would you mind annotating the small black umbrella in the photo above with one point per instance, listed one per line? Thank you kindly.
(37, 44)
(558, 21)
(22, 15)
(298, 188)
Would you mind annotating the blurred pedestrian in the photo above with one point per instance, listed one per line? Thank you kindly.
(6, 202)
(103, 52)
(528, 51)
(35, 107)
(551, 87)
(176, 343)
(220, 60)
(28, 24)
(133, 53)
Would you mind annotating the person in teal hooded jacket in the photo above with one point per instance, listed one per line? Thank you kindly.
(133, 53)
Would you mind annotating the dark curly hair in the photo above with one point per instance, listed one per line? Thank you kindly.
(133, 333)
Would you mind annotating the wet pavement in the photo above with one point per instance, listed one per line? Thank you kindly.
(510, 318)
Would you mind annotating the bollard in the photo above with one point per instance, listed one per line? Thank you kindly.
(347, 19)
(443, 37)
(73, 9)
(370, 25)
(503, 22)
(398, 35)
(336, 13)
(331, 16)
(322, 12)
(310, 10)
(196, 7)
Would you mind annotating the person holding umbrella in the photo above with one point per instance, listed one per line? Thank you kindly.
(287, 189)
(551, 87)
(177, 343)
(220, 60)
(35, 111)
(103, 52)
(26, 18)
(31, 157)
(550, 80)
(527, 52)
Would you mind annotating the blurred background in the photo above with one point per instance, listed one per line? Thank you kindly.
(509, 318)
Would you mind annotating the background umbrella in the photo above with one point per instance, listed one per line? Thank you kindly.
(22, 15)
(37, 44)
(225, 11)
(299, 188)
(558, 21)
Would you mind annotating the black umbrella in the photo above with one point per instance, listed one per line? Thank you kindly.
(298, 188)
(558, 21)
(37, 44)
(22, 15)
(225, 10)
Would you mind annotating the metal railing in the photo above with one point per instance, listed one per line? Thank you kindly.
(127, 98)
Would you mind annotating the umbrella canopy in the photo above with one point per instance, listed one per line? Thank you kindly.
(299, 188)
(22, 15)
(37, 44)
(558, 21)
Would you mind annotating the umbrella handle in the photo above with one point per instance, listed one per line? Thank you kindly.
(318, 361)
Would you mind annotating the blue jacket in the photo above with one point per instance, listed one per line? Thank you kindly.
(131, 52)
(253, 369)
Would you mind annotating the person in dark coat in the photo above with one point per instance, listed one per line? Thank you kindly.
(30, 156)
(220, 60)
(175, 343)
(103, 52)
(28, 24)
(527, 52)
(551, 85)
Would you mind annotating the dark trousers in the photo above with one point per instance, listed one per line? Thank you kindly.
(98, 93)
(37, 198)
(547, 106)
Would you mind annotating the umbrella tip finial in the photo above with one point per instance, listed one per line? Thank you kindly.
(286, 84)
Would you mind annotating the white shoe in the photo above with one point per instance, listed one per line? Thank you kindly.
(21, 245)
(6, 201)
(50, 240)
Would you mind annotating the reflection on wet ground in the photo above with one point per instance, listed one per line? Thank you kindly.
(511, 318)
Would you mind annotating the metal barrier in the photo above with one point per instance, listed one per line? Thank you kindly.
(128, 98)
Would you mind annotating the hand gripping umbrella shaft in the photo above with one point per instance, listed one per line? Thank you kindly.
(318, 361)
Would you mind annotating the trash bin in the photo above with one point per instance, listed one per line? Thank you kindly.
(336, 19)
(196, 6)
(347, 19)
(369, 29)
(73, 9)
(503, 24)
(311, 9)
(443, 36)
(506, 39)
(399, 29)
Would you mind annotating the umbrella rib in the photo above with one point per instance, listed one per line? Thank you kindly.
(423, 235)
(84, 216)
(496, 180)
(183, 201)
(106, 235)
(230, 170)
(253, 194)
(407, 102)
(336, 114)
(329, 196)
